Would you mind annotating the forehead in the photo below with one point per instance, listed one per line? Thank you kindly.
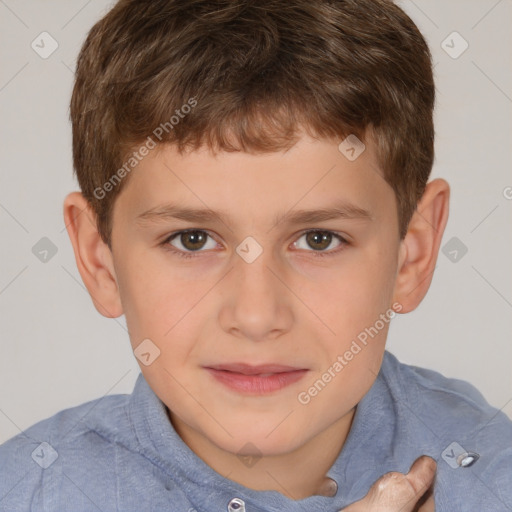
(311, 174)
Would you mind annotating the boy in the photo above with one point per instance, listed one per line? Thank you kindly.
(254, 200)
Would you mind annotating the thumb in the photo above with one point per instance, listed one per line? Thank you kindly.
(396, 492)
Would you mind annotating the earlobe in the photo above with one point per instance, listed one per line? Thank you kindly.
(420, 247)
(93, 257)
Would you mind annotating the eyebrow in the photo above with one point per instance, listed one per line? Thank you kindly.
(171, 211)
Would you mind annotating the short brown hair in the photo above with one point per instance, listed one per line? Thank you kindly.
(255, 73)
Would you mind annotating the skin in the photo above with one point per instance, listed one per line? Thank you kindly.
(395, 492)
(289, 306)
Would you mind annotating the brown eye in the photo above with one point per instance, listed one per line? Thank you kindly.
(191, 241)
(320, 241)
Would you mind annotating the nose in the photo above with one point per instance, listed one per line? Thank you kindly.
(257, 303)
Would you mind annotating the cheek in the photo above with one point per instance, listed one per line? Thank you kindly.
(354, 295)
(166, 308)
(152, 298)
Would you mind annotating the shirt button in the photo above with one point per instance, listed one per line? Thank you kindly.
(236, 505)
(329, 488)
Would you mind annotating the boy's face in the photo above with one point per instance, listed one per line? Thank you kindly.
(287, 306)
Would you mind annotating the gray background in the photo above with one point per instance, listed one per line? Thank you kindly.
(57, 351)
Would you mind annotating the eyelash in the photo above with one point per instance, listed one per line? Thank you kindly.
(192, 254)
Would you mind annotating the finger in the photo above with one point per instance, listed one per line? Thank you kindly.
(429, 505)
(400, 492)
(421, 474)
(395, 491)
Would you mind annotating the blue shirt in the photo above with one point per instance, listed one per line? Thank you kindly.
(121, 453)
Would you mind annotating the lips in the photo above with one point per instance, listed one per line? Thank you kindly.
(247, 369)
(256, 380)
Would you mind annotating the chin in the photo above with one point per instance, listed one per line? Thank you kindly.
(258, 442)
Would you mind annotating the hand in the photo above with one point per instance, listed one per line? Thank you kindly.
(396, 492)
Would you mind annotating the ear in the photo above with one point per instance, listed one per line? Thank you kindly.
(420, 247)
(93, 257)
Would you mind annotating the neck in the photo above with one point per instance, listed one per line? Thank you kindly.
(297, 474)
